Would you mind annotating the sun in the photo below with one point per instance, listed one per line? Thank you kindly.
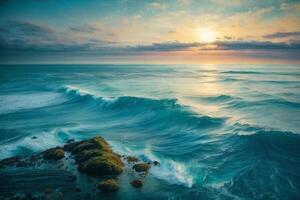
(206, 35)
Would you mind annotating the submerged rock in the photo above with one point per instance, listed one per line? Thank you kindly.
(109, 185)
(56, 153)
(141, 167)
(136, 183)
(155, 163)
(72, 178)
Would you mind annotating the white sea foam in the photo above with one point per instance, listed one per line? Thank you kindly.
(43, 141)
(78, 91)
(170, 171)
(15, 102)
(85, 92)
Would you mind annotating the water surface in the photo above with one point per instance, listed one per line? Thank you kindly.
(219, 131)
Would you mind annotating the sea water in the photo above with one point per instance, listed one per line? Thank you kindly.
(219, 131)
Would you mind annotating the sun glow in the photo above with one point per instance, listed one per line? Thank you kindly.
(206, 35)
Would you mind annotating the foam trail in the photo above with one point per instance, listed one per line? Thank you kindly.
(173, 172)
(16, 102)
(69, 89)
(44, 140)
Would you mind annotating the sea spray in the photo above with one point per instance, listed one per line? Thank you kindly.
(168, 170)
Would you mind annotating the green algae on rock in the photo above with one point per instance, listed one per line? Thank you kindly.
(101, 165)
(94, 143)
(109, 185)
(56, 153)
(131, 159)
(95, 158)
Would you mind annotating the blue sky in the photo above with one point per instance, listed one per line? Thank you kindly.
(160, 31)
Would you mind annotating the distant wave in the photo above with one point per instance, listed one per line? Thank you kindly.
(268, 102)
(165, 111)
(220, 98)
(241, 72)
(265, 153)
(17, 102)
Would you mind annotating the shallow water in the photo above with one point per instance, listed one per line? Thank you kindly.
(219, 132)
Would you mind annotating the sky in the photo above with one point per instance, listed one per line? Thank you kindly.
(146, 31)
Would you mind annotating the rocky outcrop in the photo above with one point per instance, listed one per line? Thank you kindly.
(10, 161)
(56, 153)
(141, 167)
(156, 163)
(95, 158)
(131, 159)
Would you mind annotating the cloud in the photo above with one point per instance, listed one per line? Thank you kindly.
(295, 6)
(21, 37)
(228, 2)
(184, 2)
(168, 46)
(256, 45)
(218, 45)
(92, 47)
(85, 28)
(282, 35)
(29, 28)
(26, 32)
(158, 5)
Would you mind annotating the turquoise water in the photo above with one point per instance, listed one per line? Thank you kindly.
(219, 131)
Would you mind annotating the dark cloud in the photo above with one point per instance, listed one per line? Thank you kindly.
(170, 46)
(21, 37)
(106, 48)
(22, 34)
(85, 28)
(218, 45)
(255, 45)
(282, 35)
(28, 28)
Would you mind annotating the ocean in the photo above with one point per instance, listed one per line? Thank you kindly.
(218, 131)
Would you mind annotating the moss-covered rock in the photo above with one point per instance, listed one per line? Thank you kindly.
(136, 183)
(141, 167)
(85, 155)
(95, 158)
(70, 146)
(109, 185)
(107, 164)
(56, 153)
(95, 143)
(132, 159)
